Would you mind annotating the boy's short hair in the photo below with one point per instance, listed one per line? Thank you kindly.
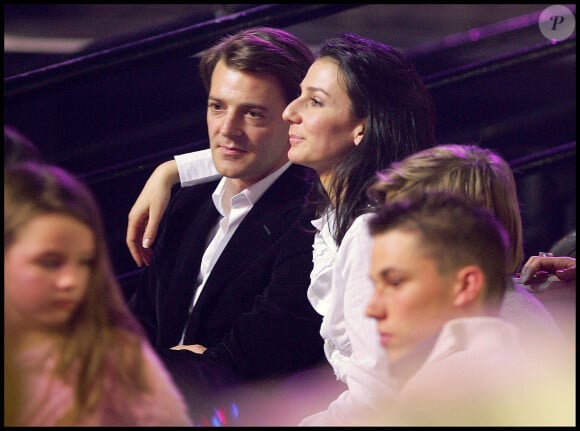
(454, 232)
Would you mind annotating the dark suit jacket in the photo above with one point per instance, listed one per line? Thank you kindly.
(253, 314)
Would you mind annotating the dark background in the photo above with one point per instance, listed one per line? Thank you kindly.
(110, 91)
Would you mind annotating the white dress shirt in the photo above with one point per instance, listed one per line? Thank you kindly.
(232, 215)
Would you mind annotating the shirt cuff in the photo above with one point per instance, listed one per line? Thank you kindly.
(196, 168)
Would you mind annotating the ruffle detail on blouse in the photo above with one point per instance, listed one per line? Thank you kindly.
(324, 251)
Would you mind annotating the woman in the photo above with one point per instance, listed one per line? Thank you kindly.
(79, 356)
(362, 107)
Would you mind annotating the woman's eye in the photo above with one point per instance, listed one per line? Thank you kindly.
(314, 102)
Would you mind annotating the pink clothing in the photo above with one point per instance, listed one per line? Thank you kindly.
(46, 398)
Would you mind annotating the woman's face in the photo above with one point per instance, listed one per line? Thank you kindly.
(323, 128)
(47, 270)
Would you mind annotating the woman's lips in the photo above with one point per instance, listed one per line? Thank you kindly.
(294, 139)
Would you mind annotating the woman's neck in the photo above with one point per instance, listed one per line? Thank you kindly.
(326, 179)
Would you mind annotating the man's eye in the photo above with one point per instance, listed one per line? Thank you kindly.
(255, 114)
(396, 282)
(215, 106)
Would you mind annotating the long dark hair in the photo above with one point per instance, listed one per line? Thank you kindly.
(385, 88)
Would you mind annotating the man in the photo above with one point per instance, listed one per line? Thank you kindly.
(224, 297)
(439, 265)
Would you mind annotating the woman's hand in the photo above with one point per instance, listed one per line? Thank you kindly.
(538, 268)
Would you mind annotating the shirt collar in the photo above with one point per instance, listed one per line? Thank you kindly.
(251, 194)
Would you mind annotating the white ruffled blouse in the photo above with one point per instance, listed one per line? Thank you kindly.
(340, 290)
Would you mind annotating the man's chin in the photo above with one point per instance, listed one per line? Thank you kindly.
(230, 168)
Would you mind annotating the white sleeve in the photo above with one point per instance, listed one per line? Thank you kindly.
(196, 168)
(367, 373)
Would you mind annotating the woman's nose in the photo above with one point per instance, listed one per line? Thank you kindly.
(290, 114)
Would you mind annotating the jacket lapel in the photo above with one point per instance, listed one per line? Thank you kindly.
(183, 281)
(270, 217)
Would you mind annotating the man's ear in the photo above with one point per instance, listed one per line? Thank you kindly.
(469, 284)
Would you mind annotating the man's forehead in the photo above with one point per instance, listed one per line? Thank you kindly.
(257, 88)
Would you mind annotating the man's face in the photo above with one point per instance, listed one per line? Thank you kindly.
(248, 137)
(412, 299)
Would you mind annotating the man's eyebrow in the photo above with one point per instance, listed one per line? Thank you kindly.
(254, 106)
(245, 105)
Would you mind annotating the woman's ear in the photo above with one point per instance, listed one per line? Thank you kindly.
(469, 285)
(359, 133)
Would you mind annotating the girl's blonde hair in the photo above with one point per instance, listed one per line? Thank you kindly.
(103, 339)
(478, 173)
